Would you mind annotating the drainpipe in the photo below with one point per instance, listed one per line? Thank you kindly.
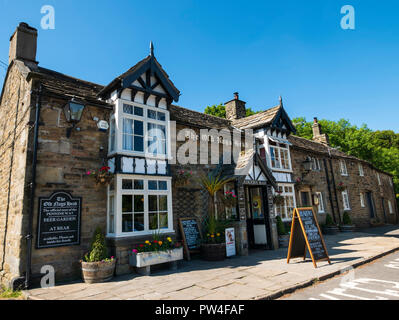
(29, 236)
(329, 188)
(335, 187)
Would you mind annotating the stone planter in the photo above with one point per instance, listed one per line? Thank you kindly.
(283, 241)
(330, 230)
(144, 260)
(94, 272)
(213, 251)
(347, 228)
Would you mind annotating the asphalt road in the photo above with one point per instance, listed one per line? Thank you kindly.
(378, 280)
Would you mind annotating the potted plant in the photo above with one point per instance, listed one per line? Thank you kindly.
(341, 187)
(229, 199)
(330, 227)
(96, 264)
(102, 176)
(346, 225)
(155, 251)
(213, 247)
(283, 235)
(182, 177)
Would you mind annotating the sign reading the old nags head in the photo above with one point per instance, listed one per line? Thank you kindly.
(58, 220)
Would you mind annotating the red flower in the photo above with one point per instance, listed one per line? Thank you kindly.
(104, 168)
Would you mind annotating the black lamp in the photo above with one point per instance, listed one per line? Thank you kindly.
(307, 166)
(73, 111)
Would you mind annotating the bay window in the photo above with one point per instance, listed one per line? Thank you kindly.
(138, 129)
(140, 205)
(279, 156)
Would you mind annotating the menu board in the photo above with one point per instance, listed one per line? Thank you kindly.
(58, 220)
(305, 233)
(191, 235)
(312, 234)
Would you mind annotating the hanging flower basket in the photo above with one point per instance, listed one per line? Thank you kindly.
(182, 177)
(341, 187)
(278, 199)
(229, 199)
(102, 176)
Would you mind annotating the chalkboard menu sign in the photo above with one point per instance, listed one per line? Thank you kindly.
(58, 220)
(305, 233)
(191, 235)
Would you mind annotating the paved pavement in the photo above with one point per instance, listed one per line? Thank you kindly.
(378, 280)
(261, 275)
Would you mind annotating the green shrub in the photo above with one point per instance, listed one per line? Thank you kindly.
(98, 251)
(346, 219)
(280, 227)
(329, 220)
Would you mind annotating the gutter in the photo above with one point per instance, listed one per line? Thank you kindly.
(329, 188)
(335, 187)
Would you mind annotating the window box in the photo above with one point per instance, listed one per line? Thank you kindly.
(144, 260)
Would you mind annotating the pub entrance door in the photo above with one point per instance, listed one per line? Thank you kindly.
(258, 227)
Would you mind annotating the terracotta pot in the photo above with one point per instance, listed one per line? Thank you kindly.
(213, 251)
(94, 272)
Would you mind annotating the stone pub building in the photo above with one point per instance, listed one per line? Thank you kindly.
(54, 129)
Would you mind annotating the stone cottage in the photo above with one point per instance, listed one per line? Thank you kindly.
(55, 130)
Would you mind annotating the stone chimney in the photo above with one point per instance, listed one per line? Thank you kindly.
(235, 109)
(23, 43)
(318, 136)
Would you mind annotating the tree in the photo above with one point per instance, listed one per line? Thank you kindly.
(220, 111)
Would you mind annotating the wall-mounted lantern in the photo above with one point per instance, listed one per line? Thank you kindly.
(307, 166)
(73, 111)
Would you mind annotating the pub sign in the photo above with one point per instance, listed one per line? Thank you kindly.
(59, 220)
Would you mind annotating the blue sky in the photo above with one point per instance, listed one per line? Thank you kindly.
(211, 49)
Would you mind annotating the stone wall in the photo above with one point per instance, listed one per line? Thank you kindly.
(14, 131)
(61, 165)
(316, 181)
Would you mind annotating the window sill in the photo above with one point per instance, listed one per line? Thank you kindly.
(138, 234)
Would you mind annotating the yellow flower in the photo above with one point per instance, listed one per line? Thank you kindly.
(218, 234)
(160, 243)
(147, 242)
(169, 239)
(212, 235)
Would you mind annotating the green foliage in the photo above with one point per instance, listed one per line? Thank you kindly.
(213, 230)
(98, 251)
(346, 219)
(329, 220)
(280, 227)
(220, 111)
(6, 293)
(381, 148)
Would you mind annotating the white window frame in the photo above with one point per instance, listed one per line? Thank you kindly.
(119, 115)
(280, 151)
(361, 171)
(362, 204)
(379, 179)
(320, 206)
(285, 194)
(345, 202)
(390, 207)
(118, 192)
(343, 168)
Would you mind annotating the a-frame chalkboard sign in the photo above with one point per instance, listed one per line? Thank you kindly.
(191, 234)
(306, 234)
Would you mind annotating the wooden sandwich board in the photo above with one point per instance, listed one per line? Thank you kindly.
(191, 234)
(306, 234)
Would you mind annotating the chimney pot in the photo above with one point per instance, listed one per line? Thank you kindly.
(235, 95)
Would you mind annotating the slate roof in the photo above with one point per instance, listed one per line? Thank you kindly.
(258, 119)
(191, 117)
(62, 85)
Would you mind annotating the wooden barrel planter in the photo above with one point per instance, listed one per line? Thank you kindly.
(213, 251)
(94, 272)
